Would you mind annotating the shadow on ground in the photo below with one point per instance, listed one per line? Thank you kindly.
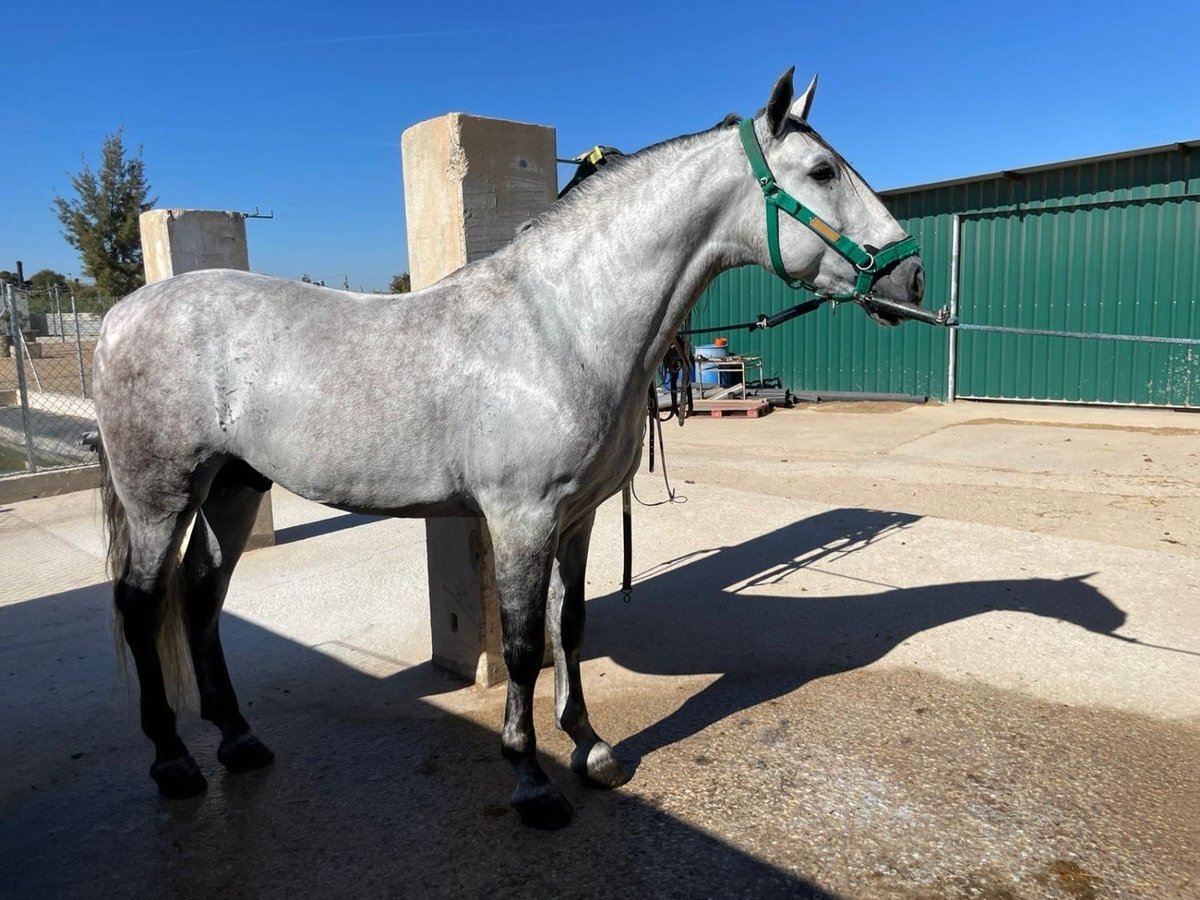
(377, 792)
(323, 526)
(694, 617)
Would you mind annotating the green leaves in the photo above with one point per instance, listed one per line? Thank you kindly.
(101, 221)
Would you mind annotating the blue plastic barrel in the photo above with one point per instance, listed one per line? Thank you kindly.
(706, 373)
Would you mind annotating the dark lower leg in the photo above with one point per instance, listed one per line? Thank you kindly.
(537, 800)
(593, 759)
(221, 531)
(240, 749)
(173, 769)
(523, 577)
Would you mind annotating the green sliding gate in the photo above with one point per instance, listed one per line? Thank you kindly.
(1114, 283)
(1077, 282)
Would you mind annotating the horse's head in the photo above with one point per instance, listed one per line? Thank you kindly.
(833, 233)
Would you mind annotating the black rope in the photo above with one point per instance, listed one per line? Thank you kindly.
(765, 321)
(627, 530)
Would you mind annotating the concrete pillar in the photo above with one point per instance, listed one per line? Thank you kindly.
(175, 241)
(468, 183)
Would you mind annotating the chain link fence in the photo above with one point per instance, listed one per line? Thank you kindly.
(47, 337)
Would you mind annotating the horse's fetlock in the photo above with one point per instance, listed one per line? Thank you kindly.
(516, 747)
(573, 715)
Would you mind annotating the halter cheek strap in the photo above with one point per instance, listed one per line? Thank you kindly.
(870, 265)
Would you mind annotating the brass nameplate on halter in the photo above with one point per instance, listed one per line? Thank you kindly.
(828, 233)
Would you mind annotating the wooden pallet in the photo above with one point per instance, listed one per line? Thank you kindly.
(742, 409)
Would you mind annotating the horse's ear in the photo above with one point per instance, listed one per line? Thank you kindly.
(803, 104)
(780, 102)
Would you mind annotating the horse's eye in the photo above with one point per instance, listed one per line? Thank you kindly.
(822, 173)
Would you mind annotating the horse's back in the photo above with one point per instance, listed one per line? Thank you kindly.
(301, 382)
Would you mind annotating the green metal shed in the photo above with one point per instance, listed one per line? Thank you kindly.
(1103, 253)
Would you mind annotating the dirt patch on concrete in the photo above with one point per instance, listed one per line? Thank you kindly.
(1092, 426)
(860, 407)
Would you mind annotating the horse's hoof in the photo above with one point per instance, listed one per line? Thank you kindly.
(548, 809)
(178, 778)
(599, 768)
(243, 753)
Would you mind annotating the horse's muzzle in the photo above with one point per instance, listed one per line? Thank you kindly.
(904, 284)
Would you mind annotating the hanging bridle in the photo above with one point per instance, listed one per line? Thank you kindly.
(871, 264)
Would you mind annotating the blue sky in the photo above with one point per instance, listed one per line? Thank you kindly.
(298, 107)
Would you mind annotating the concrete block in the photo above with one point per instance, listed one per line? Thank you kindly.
(33, 350)
(175, 241)
(469, 182)
(464, 610)
(262, 534)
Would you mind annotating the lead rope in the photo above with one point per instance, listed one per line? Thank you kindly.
(627, 521)
(676, 368)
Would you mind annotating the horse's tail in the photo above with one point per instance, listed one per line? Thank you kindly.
(173, 655)
(116, 526)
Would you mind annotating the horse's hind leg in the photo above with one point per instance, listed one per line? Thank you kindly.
(141, 593)
(523, 547)
(222, 528)
(593, 759)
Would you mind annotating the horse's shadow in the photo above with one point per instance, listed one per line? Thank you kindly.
(694, 616)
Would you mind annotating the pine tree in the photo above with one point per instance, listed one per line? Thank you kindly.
(102, 221)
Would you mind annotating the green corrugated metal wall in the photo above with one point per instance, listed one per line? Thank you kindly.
(1109, 246)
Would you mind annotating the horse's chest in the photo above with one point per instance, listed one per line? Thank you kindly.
(606, 455)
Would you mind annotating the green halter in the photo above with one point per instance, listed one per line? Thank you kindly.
(869, 265)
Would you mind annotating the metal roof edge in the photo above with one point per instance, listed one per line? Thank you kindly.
(1027, 170)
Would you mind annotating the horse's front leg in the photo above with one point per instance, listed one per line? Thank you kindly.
(593, 760)
(523, 548)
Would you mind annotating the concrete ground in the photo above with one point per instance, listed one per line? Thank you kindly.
(881, 651)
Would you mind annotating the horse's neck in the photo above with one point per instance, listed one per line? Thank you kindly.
(638, 253)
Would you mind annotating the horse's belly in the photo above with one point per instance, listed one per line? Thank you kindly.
(348, 474)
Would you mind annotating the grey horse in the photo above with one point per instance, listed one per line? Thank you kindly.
(211, 386)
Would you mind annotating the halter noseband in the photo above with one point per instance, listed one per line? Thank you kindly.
(870, 265)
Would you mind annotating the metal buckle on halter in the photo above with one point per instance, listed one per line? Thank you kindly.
(867, 265)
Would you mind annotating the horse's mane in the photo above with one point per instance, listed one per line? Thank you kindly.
(619, 167)
(615, 170)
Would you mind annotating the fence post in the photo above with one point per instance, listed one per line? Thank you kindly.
(79, 349)
(18, 348)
